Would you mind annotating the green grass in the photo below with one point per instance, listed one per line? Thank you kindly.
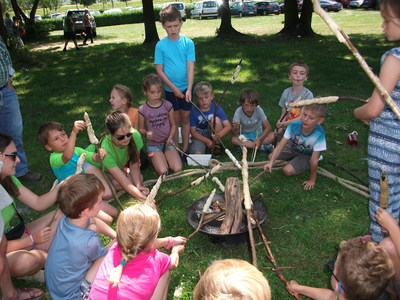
(304, 227)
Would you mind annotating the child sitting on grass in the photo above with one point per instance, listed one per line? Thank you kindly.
(121, 100)
(159, 117)
(134, 268)
(203, 137)
(362, 271)
(251, 121)
(232, 279)
(302, 144)
(64, 157)
(76, 251)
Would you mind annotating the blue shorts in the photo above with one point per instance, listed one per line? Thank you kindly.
(158, 148)
(178, 103)
(252, 136)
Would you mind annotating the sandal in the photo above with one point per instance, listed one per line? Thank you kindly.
(32, 293)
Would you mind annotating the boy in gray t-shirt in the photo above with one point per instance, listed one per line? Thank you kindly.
(251, 122)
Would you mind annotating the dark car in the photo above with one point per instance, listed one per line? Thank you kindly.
(370, 4)
(328, 5)
(243, 9)
(345, 3)
(267, 8)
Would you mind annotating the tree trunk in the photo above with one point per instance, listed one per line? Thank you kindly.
(226, 29)
(3, 30)
(304, 28)
(295, 25)
(233, 207)
(151, 35)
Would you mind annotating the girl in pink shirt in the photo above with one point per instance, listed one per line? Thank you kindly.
(133, 267)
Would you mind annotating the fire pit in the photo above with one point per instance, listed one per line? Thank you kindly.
(212, 228)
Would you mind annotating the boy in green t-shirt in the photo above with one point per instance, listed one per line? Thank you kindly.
(64, 157)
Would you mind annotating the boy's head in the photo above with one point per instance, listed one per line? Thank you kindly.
(79, 192)
(313, 115)
(298, 73)
(363, 268)
(248, 99)
(204, 94)
(232, 279)
(171, 21)
(53, 136)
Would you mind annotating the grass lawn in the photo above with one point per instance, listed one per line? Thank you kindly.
(304, 227)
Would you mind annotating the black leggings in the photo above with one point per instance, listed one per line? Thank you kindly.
(89, 34)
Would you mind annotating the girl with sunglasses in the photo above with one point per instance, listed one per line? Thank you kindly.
(159, 117)
(123, 144)
(27, 244)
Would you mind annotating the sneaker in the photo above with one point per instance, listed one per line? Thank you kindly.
(31, 177)
(267, 148)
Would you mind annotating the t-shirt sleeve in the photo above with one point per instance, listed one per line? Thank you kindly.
(236, 116)
(164, 261)
(309, 95)
(94, 249)
(191, 54)
(261, 114)
(56, 160)
(221, 114)
(89, 154)
(137, 139)
(158, 54)
(320, 144)
(193, 117)
(288, 132)
(283, 99)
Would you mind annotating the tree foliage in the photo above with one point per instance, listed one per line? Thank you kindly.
(52, 5)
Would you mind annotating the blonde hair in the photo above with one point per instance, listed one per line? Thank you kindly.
(202, 87)
(364, 269)
(78, 192)
(319, 109)
(124, 92)
(137, 227)
(232, 279)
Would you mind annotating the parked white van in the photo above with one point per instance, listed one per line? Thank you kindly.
(179, 5)
(205, 9)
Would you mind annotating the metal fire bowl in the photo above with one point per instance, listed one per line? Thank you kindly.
(211, 229)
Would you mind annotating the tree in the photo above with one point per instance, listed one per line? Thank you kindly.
(226, 28)
(151, 34)
(295, 25)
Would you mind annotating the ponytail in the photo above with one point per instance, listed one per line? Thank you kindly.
(116, 273)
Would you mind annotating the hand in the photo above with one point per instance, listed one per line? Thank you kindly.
(279, 124)
(309, 184)
(178, 240)
(168, 141)
(209, 143)
(78, 126)
(149, 135)
(257, 144)
(178, 93)
(42, 236)
(215, 137)
(98, 157)
(386, 220)
(144, 190)
(236, 125)
(188, 96)
(9, 84)
(268, 167)
(292, 287)
(178, 249)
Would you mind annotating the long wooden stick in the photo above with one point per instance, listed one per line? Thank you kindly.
(203, 212)
(349, 172)
(343, 38)
(325, 100)
(271, 257)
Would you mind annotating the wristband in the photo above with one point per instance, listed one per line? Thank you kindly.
(170, 243)
(28, 232)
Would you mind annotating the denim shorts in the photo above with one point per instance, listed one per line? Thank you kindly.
(178, 103)
(151, 149)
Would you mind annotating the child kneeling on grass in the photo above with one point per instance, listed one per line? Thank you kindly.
(76, 251)
(362, 271)
(134, 268)
(302, 144)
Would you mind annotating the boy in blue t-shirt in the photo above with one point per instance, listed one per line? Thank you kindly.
(202, 136)
(174, 59)
(302, 144)
(76, 251)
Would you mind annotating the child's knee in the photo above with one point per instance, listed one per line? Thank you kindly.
(288, 170)
(388, 245)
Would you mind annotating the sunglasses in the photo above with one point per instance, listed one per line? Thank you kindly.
(121, 137)
(12, 155)
(330, 266)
